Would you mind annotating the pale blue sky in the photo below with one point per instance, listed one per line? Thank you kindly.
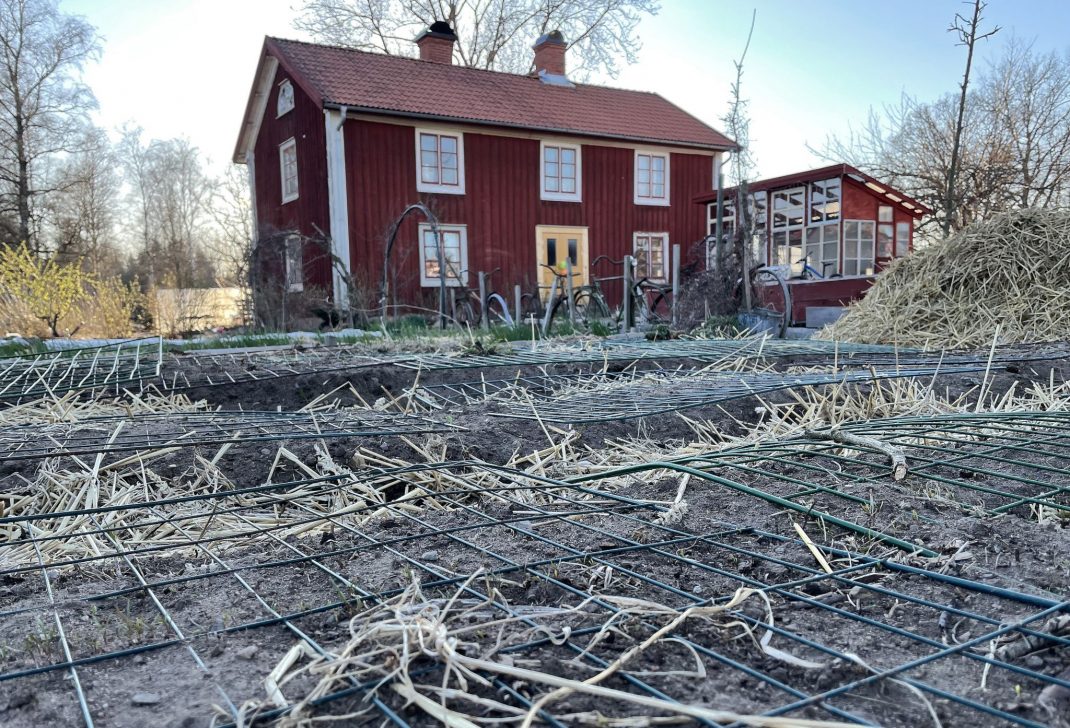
(184, 67)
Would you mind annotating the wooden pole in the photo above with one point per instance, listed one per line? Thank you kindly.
(516, 304)
(484, 312)
(549, 308)
(627, 306)
(675, 279)
(568, 289)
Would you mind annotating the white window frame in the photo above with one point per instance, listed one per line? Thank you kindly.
(439, 187)
(780, 252)
(289, 196)
(295, 264)
(639, 274)
(820, 208)
(462, 274)
(639, 199)
(860, 261)
(545, 194)
(284, 102)
(818, 261)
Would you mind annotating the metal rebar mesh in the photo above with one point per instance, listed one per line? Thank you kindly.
(108, 367)
(703, 350)
(176, 583)
(192, 370)
(594, 400)
(147, 432)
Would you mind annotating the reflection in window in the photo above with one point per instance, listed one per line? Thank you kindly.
(884, 241)
(651, 250)
(454, 251)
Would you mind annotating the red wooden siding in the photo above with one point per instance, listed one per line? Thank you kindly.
(501, 207)
(305, 124)
(830, 292)
(859, 203)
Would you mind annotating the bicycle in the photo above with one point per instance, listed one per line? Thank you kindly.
(469, 310)
(650, 301)
(809, 273)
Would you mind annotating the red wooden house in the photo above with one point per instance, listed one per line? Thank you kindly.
(519, 170)
(846, 224)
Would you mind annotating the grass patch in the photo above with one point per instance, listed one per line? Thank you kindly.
(19, 348)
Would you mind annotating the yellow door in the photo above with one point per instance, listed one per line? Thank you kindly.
(553, 247)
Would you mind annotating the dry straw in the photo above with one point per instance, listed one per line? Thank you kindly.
(1010, 272)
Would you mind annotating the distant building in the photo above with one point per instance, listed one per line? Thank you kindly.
(844, 223)
(520, 170)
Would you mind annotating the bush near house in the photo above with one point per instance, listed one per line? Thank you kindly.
(44, 297)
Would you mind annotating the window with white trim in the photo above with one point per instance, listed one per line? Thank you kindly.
(823, 248)
(285, 101)
(439, 162)
(454, 241)
(560, 172)
(651, 178)
(824, 201)
(288, 169)
(789, 210)
(651, 250)
(295, 264)
(859, 237)
(902, 239)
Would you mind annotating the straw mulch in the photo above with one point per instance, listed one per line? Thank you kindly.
(1006, 279)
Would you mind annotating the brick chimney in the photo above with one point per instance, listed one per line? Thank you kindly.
(436, 43)
(550, 54)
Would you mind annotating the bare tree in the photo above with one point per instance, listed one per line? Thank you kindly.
(969, 32)
(737, 124)
(172, 194)
(909, 145)
(82, 216)
(231, 242)
(1029, 96)
(492, 34)
(43, 102)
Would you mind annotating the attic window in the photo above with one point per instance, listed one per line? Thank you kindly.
(285, 101)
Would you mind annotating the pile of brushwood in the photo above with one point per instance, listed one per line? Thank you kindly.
(1007, 278)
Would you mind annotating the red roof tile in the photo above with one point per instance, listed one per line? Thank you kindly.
(377, 83)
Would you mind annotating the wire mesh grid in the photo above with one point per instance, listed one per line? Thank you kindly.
(595, 399)
(524, 354)
(152, 431)
(109, 367)
(988, 464)
(182, 372)
(533, 579)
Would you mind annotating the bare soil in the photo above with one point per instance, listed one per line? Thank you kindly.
(225, 600)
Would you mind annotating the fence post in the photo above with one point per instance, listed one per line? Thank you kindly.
(484, 312)
(516, 304)
(627, 307)
(549, 308)
(568, 289)
(675, 279)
